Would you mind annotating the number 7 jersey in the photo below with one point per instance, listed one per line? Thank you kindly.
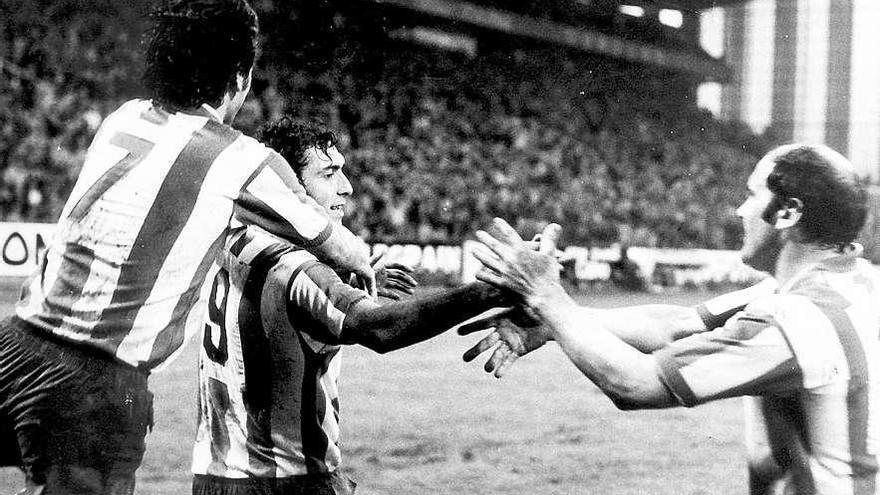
(149, 213)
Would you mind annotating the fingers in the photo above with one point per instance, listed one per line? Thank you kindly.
(482, 346)
(400, 266)
(506, 233)
(389, 294)
(548, 238)
(490, 319)
(490, 261)
(402, 278)
(495, 246)
(506, 362)
(498, 357)
(376, 257)
(368, 280)
(477, 326)
(496, 280)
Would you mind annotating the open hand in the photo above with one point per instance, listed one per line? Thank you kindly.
(510, 263)
(513, 333)
(393, 278)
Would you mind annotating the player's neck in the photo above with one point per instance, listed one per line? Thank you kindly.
(795, 257)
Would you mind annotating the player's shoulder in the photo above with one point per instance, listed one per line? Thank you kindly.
(779, 310)
(251, 150)
(135, 105)
(771, 305)
(253, 245)
(126, 113)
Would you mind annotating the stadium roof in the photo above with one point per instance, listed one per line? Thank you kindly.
(686, 60)
(693, 4)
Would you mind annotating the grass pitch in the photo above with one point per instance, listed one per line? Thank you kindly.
(420, 420)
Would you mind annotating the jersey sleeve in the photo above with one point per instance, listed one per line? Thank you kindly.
(750, 355)
(318, 301)
(716, 311)
(273, 199)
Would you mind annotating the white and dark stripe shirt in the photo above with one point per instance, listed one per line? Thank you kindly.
(154, 201)
(811, 353)
(269, 362)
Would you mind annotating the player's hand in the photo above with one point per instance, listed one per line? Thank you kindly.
(347, 252)
(366, 279)
(535, 245)
(510, 264)
(393, 278)
(514, 332)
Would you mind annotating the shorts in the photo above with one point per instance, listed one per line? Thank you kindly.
(69, 412)
(334, 483)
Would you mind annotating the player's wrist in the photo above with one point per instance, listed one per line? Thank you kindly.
(547, 299)
(494, 296)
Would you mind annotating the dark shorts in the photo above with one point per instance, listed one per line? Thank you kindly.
(322, 484)
(68, 412)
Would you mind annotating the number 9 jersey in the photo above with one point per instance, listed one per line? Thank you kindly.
(269, 362)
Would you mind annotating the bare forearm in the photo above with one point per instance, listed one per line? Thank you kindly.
(626, 375)
(649, 327)
(403, 323)
(343, 250)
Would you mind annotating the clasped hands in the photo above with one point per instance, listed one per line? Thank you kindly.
(528, 269)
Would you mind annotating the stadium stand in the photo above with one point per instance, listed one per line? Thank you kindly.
(437, 142)
(55, 87)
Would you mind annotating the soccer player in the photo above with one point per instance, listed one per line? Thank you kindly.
(809, 353)
(163, 182)
(268, 402)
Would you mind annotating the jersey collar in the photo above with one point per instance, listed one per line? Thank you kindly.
(843, 262)
(212, 112)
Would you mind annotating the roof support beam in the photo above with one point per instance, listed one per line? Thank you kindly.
(561, 34)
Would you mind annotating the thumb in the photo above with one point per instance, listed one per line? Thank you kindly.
(549, 237)
(376, 257)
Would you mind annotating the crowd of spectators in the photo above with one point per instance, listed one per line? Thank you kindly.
(437, 143)
(56, 84)
(440, 143)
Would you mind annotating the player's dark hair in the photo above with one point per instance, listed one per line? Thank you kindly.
(194, 49)
(834, 200)
(293, 138)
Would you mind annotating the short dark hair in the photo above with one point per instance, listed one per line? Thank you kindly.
(834, 197)
(293, 138)
(194, 49)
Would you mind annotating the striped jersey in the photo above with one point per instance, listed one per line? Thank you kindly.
(811, 355)
(269, 362)
(150, 210)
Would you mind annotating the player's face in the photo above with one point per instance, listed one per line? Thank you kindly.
(324, 180)
(761, 241)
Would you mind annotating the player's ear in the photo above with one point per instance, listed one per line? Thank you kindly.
(789, 213)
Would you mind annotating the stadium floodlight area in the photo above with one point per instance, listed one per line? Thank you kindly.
(578, 37)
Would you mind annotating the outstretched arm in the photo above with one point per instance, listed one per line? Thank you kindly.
(648, 328)
(625, 374)
(651, 327)
(402, 323)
